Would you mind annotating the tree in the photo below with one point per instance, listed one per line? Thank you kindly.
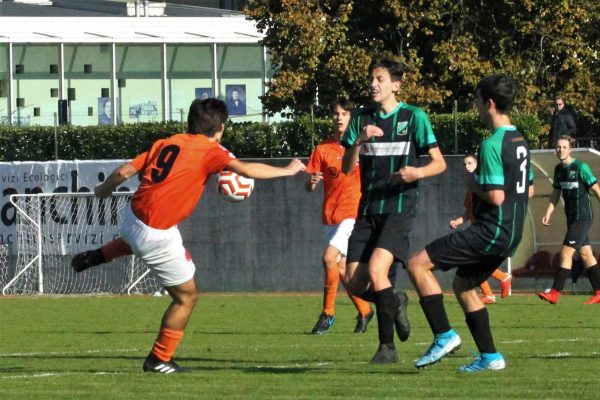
(320, 49)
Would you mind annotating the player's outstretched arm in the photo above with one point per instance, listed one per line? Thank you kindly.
(118, 176)
(264, 171)
(596, 189)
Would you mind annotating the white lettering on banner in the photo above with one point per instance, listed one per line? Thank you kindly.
(21, 177)
(385, 149)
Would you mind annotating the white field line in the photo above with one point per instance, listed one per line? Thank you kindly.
(64, 353)
(57, 374)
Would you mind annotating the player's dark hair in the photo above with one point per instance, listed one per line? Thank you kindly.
(206, 116)
(568, 138)
(472, 155)
(395, 69)
(343, 103)
(500, 88)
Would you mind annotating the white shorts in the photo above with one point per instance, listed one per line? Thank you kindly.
(338, 235)
(161, 249)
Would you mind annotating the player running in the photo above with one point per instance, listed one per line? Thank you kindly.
(574, 179)
(173, 175)
(505, 279)
(387, 137)
(341, 194)
(501, 186)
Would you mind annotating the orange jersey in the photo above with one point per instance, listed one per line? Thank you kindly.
(173, 175)
(341, 192)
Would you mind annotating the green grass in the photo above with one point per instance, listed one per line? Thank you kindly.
(247, 346)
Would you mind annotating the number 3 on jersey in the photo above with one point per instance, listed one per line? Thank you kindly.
(522, 154)
(164, 163)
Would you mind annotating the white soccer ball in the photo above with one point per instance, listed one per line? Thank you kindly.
(234, 187)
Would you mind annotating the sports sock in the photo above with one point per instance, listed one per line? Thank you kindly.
(166, 343)
(479, 325)
(500, 275)
(332, 279)
(486, 289)
(560, 279)
(433, 307)
(114, 249)
(386, 304)
(594, 276)
(362, 306)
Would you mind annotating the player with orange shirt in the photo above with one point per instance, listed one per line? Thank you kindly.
(341, 196)
(488, 297)
(173, 175)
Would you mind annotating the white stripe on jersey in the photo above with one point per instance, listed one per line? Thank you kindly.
(385, 149)
(569, 185)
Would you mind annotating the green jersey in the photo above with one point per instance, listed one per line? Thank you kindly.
(575, 180)
(407, 134)
(504, 164)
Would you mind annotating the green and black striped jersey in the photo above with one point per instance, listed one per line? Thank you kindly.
(504, 164)
(575, 180)
(407, 134)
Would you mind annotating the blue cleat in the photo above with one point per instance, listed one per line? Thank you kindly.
(485, 361)
(323, 324)
(443, 344)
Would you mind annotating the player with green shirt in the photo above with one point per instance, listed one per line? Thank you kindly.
(573, 179)
(387, 137)
(501, 186)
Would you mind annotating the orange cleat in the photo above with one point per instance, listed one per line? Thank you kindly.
(505, 285)
(595, 299)
(488, 299)
(551, 296)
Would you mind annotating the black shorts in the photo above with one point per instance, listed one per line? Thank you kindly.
(577, 234)
(459, 250)
(386, 231)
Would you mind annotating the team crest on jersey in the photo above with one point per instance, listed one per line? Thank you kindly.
(572, 174)
(401, 128)
(333, 172)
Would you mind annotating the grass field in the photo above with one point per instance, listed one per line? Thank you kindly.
(249, 346)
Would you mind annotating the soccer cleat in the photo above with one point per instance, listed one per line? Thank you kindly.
(505, 285)
(443, 344)
(551, 296)
(363, 322)
(87, 259)
(401, 318)
(595, 299)
(485, 299)
(323, 324)
(156, 365)
(485, 361)
(386, 354)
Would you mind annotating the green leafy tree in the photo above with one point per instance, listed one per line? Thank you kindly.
(321, 49)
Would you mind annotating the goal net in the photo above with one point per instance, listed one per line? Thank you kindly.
(52, 227)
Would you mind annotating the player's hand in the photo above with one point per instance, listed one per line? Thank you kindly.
(406, 175)
(368, 132)
(295, 166)
(455, 223)
(546, 220)
(102, 191)
(316, 178)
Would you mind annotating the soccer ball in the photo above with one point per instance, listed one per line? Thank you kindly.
(234, 187)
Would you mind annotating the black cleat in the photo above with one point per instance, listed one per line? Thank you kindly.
(386, 354)
(323, 324)
(156, 365)
(87, 259)
(363, 322)
(401, 318)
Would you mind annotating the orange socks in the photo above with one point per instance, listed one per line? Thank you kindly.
(486, 289)
(499, 275)
(166, 343)
(115, 248)
(362, 306)
(332, 279)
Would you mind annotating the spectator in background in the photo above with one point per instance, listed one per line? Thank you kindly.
(563, 122)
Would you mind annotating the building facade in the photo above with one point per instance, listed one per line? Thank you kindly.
(110, 70)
